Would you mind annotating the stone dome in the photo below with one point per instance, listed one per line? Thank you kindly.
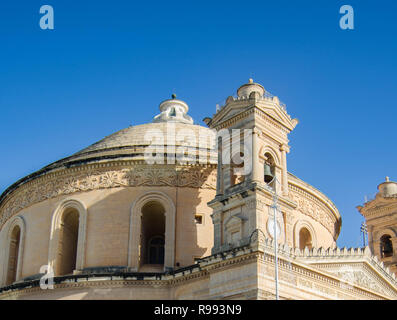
(172, 128)
(106, 206)
(132, 141)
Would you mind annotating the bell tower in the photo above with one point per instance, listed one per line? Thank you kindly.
(380, 215)
(252, 142)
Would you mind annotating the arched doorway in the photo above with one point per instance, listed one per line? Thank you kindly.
(13, 254)
(152, 234)
(305, 239)
(69, 232)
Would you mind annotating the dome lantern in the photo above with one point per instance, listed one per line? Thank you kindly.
(246, 89)
(388, 188)
(173, 110)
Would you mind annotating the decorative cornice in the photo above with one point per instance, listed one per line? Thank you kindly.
(112, 282)
(234, 119)
(104, 176)
(229, 122)
(379, 207)
(313, 207)
(305, 263)
(296, 267)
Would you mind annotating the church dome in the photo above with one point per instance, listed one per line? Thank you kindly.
(85, 212)
(132, 141)
(172, 131)
(173, 127)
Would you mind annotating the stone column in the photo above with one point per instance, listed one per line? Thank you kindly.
(284, 179)
(135, 241)
(226, 167)
(394, 243)
(169, 246)
(226, 177)
(256, 177)
(216, 220)
(370, 238)
(219, 181)
(376, 248)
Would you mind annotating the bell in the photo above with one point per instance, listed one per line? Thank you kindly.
(268, 173)
(388, 248)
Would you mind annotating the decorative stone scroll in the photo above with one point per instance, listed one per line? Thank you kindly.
(52, 186)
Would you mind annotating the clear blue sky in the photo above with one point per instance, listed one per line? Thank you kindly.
(108, 64)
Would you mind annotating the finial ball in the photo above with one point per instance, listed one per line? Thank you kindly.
(173, 96)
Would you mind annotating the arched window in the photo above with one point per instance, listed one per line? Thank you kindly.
(66, 251)
(386, 246)
(152, 214)
(156, 250)
(13, 254)
(69, 233)
(153, 233)
(305, 239)
(269, 169)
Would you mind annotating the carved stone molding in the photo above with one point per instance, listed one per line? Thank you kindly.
(312, 208)
(55, 185)
(256, 204)
(361, 279)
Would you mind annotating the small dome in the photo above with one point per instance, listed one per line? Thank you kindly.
(246, 89)
(388, 188)
(173, 110)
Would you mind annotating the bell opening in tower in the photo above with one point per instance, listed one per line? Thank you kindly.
(386, 246)
(269, 170)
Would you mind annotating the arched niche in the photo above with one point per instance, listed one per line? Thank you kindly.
(135, 259)
(304, 225)
(65, 216)
(13, 251)
(305, 239)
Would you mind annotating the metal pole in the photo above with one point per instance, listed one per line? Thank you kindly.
(275, 236)
(364, 231)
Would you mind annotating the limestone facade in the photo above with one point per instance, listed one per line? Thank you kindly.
(113, 225)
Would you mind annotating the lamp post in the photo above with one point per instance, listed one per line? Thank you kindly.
(364, 231)
(275, 233)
